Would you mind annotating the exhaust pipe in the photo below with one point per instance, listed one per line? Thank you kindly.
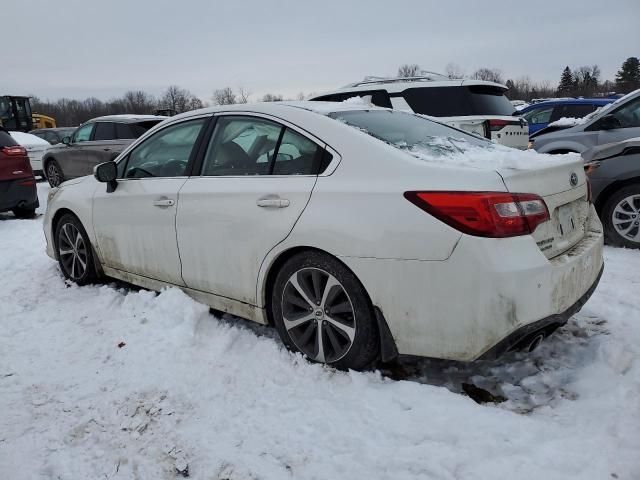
(534, 343)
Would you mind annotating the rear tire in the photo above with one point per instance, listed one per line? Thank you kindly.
(621, 217)
(74, 251)
(55, 176)
(321, 309)
(24, 212)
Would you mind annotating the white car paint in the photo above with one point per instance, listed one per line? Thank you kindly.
(35, 146)
(443, 293)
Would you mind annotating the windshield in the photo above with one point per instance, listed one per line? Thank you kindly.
(459, 101)
(409, 132)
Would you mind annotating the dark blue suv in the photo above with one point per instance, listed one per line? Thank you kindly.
(539, 115)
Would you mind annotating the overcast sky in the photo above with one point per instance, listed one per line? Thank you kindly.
(103, 48)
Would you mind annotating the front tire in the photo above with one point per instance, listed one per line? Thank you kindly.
(73, 250)
(621, 217)
(55, 176)
(321, 310)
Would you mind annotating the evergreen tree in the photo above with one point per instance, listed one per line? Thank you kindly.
(628, 77)
(567, 83)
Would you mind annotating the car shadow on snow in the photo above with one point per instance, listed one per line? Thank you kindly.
(519, 381)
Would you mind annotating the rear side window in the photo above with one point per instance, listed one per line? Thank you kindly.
(6, 140)
(139, 128)
(458, 101)
(297, 155)
(104, 131)
(572, 111)
(124, 131)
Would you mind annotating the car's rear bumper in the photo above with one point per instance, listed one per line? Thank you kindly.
(525, 334)
(487, 291)
(20, 192)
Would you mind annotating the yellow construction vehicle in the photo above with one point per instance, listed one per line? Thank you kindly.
(43, 121)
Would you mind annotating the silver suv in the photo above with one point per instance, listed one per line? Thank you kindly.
(615, 122)
(96, 141)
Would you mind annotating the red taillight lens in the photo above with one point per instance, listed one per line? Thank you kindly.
(484, 214)
(496, 125)
(14, 151)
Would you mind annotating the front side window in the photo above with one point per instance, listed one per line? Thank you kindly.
(165, 154)
(83, 134)
(241, 146)
(104, 131)
(538, 115)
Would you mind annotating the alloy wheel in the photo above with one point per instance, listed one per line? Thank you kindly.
(318, 315)
(626, 218)
(53, 175)
(72, 251)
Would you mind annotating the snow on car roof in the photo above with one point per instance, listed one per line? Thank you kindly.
(325, 108)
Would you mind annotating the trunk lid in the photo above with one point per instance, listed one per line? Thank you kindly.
(563, 187)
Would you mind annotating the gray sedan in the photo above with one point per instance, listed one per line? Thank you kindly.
(614, 172)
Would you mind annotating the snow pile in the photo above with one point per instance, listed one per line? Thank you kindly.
(325, 108)
(108, 381)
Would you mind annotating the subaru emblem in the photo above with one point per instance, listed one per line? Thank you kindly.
(573, 180)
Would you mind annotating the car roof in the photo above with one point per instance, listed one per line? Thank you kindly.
(127, 118)
(276, 108)
(394, 85)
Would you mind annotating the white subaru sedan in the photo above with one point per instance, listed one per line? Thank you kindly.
(360, 233)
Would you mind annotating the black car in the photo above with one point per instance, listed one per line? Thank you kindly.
(614, 172)
(53, 135)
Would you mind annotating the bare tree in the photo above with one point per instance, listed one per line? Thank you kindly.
(454, 70)
(243, 95)
(488, 74)
(179, 99)
(408, 70)
(137, 101)
(271, 97)
(224, 96)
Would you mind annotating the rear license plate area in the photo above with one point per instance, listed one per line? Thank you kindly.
(566, 220)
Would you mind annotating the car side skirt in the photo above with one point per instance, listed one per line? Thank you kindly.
(217, 302)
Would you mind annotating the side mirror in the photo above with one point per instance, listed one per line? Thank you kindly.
(107, 172)
(609, 122)
(66, 140)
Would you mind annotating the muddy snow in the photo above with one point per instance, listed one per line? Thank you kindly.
(113, 382)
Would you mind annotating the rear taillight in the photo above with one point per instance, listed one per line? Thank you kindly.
(484, 214)
(15, 151)
(496, 125)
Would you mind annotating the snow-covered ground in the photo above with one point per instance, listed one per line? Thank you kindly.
(112, 382)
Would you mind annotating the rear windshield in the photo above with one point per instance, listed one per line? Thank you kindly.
(6, 140)
(408, 131)
(459, 101)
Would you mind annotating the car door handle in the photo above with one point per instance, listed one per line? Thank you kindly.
(107, 149)
(271, 202)
(165, 202)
